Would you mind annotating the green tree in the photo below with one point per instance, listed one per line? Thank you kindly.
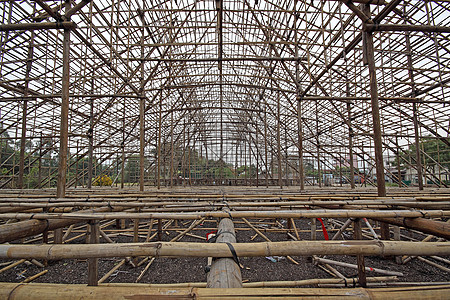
(432, 152)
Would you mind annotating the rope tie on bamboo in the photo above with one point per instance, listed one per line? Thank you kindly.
(110, 206)
(226, 204)
(11, 294)
(235, 257)
(214, 238)
(59, 25)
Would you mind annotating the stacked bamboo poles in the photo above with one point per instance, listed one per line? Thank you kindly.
(170, 201)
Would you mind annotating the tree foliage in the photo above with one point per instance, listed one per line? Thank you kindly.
(432, 152)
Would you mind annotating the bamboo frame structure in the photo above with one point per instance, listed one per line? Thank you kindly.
(174, 111)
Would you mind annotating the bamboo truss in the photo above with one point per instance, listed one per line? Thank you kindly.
(196, 111)
(230, 82)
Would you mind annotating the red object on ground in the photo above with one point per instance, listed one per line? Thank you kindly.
(325, 233)
(210, 235)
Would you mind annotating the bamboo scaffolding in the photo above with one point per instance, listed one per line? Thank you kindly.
(325, 102)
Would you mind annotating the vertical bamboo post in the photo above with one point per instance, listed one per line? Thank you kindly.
(379, 164)
(398, 259)
(245, 160)
(319, 177)
(417, 146)
(313, 229)
(350, 138)
(91, 138)
(286, 154)
(64, 128)
(236, 166)
(415, 120)
(340, 166)
(77, 164)
(158, 151)
(136, 229)
(142, 119)
(357, 235)
(122, 148)
(250, 158)
(24, 113)
(40, 163)
(266, 154)
(301, 172)
(159, 229)
(257, 152)
(171, 149)
(93, 262)
(399, 174)
(280, 175)
(189, 157)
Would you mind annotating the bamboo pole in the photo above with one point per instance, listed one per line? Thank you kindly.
(266, 238)
(431, 263)
(415, 218)
(145, 270)
(31, 278)
(38, 26)
(260, 284)
(437, 228)
(110, 272)
(12, 265)
(10, 232)
(405, 27)
(357, 235)
(93, 262)
(367, 269)
(65, 291)
(183, 249)
(225, 272)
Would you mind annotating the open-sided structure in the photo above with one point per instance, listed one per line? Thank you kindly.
(158, 94)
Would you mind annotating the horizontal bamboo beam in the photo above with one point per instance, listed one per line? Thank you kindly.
(217, 59)
(37, 26)
(443, 205)
(375, 2)
(437, 228)
(184, 249)
(76, 8)
(48, 291)
(404, 27)
(14, 231)
(260, 284)
(318, 213)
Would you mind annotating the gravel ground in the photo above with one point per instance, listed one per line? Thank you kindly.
(176, 270)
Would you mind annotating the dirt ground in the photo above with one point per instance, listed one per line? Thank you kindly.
(178, 270)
